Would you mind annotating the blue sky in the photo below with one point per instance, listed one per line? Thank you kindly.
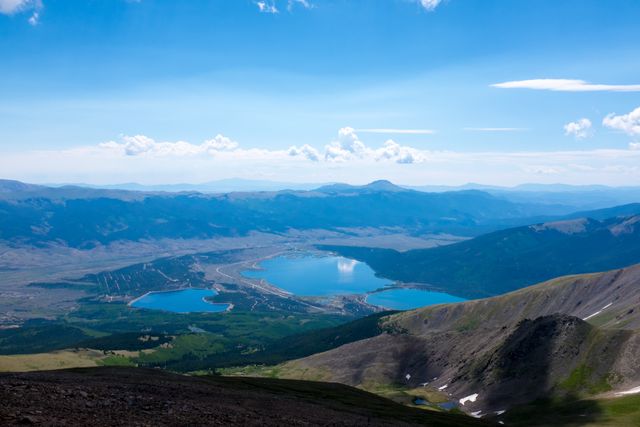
(170, 91)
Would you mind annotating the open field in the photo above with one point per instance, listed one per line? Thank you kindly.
(49, 361)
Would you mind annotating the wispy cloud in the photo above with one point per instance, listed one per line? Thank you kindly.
(627, 123)
(430, 5)
(267, 7)
(302, 3)
(566, 85)
(11, 7)
(490, 129)
(271, 6)
(579, 129)
(391, 131)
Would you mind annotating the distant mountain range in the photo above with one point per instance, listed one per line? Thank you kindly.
(576, 196)
(82, 217)
(513, 258)
(219, 186)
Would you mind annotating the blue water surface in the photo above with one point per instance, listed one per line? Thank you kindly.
(182, 301)
(310, 275)
(407, 299)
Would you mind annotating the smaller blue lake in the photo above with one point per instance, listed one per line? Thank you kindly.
(407, 299)
(309, 275)
(182, 301)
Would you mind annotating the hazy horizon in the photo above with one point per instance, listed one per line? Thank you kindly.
(441, 92)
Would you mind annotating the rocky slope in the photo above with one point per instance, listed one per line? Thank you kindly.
(139, 397)
(573, 336)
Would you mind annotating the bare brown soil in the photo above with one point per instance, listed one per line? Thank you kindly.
(139, 397)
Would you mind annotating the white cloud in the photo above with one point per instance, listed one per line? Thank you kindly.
(109, 163)
(346, 158)
(391, 150)
(430, 4)
(565, 85)
(398, 131)
(34, 19)
(140, 145)
(627, 123)
(10, 7)
(267, 7)
(303, 3)
(305, 151)
(347, 147)
(220, 143)
(271, 6)
(580, 129)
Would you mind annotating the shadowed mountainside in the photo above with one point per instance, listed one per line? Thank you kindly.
(510, 259)
(510, 349)
(83, 217)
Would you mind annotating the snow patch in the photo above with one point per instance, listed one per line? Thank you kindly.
(470, 398)
(408, 377)
(476, 414)
(443, 387)
(599, 311)
(500, 412)
(634, 390)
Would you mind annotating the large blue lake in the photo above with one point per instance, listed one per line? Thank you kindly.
(182, 301)
(407, 299)
(309, 275)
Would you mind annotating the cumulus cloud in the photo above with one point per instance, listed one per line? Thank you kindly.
(634, 146)
(139, 145)
(391, 150)
(627, 123)
(305, 151)
(347, 147)
(580, 129)
(566, 85)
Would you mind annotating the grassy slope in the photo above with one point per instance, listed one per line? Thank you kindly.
(612, 412)
(585, 373)
(48, 361)
(229, 340)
